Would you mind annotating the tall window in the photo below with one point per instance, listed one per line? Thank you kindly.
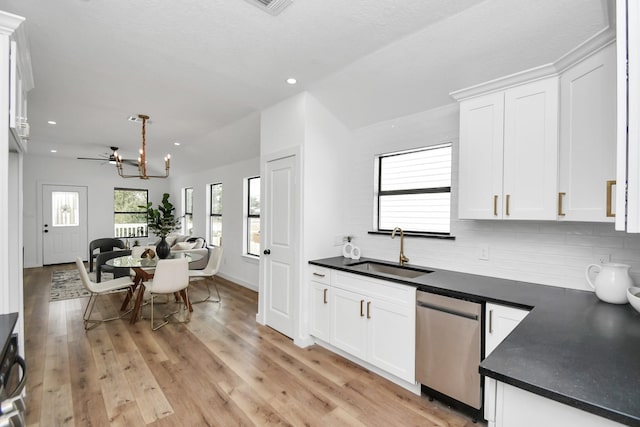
(129, 212)
(414, 190)
(215, 214)
(187, 222)
(253, 216)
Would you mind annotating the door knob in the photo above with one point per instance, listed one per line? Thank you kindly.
(266, 251)
(46, 231)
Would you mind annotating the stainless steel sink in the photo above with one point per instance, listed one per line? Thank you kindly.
(392, 270)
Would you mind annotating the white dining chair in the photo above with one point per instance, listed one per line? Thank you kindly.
(123, 284)
(171, 276)
(213, 265)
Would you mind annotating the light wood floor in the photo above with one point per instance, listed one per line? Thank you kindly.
(221, 369)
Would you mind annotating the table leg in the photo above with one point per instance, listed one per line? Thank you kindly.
(138, 306)
(187, 302)
(127, 298)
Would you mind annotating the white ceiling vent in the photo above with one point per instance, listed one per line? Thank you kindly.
(273, 7)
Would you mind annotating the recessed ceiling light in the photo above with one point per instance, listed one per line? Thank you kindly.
(54, 151)
(176, 143)
(51, 122)
(291, 81)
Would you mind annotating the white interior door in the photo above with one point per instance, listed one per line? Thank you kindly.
(64, 223)
(279, 248)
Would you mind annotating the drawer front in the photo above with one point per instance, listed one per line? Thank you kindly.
(320, 274)
(381, 289)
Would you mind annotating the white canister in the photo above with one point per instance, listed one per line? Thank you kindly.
(355, 253)
(347, 249)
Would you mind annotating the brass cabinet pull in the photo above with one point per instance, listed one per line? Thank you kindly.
(495, 205)
(560, 196)
(368, 309)
(610, 184)
(361, 308)
(325, 295)
(490, 321)
(318, 274)
(506, 211)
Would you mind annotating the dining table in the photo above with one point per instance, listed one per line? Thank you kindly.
(144, 269)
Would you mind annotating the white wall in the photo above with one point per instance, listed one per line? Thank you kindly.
(325, 167)
(546, 252)
(235, 266)
(100, 181)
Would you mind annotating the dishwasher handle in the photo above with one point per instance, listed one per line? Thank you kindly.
(447, 310)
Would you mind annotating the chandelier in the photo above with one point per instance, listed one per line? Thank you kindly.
(142, 160)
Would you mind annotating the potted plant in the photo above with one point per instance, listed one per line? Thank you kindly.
(162, 222)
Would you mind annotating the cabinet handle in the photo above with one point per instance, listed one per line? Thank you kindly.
(560, 196)
(490, 321)
(361, 308)
(368, 309)
(495, 205)
(325, 295)
(610, 184)
(507, 202)
(318, 274)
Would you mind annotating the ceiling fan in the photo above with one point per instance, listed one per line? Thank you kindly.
(111, 158)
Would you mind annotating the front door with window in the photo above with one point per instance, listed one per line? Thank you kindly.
(64, 223)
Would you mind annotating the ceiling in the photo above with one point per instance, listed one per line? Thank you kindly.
(203, 69)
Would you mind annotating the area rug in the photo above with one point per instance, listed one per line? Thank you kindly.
(66, 284)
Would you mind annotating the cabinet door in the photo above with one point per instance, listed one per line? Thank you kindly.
(501, 320)
(349, 323)
(588, 138)
(531, 150)
(391, 338)
(480, 159)
(320, 313)
(517, 407)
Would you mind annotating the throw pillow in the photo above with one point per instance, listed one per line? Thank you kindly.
(183, 246)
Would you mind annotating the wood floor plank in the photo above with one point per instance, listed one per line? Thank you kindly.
(220, 369)
(147, 393)
(112, 378)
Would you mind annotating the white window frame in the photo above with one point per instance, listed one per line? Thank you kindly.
(412, 191)
(186, 213)
(211, 214)
(246, 218)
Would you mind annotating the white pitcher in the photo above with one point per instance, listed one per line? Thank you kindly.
(611, 282)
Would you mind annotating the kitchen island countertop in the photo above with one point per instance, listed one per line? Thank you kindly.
(572, 347)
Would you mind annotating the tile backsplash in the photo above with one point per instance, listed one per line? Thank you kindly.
(546, 252)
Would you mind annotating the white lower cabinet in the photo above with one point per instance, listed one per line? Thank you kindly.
(349, 325)
(370, 319)
(520, 408)
(500, 321)
(320, 315)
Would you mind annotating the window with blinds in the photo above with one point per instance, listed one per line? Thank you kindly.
(414, 190)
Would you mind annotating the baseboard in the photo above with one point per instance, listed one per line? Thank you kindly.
(240, 282)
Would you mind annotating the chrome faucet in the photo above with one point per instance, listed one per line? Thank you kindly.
(403, 258)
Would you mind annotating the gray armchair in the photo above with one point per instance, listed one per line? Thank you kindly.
(105, 244)
(102, 267)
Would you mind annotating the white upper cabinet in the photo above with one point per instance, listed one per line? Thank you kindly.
(531, 150)
(587, 170)
(628, 123)
(480, 161)
(509, 153)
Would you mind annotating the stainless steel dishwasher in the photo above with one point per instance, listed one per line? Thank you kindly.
(448, 347)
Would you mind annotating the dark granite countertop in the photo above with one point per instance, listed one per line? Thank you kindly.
(572, 347)
(7, 323)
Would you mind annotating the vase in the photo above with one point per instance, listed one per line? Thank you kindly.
(162, 248)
